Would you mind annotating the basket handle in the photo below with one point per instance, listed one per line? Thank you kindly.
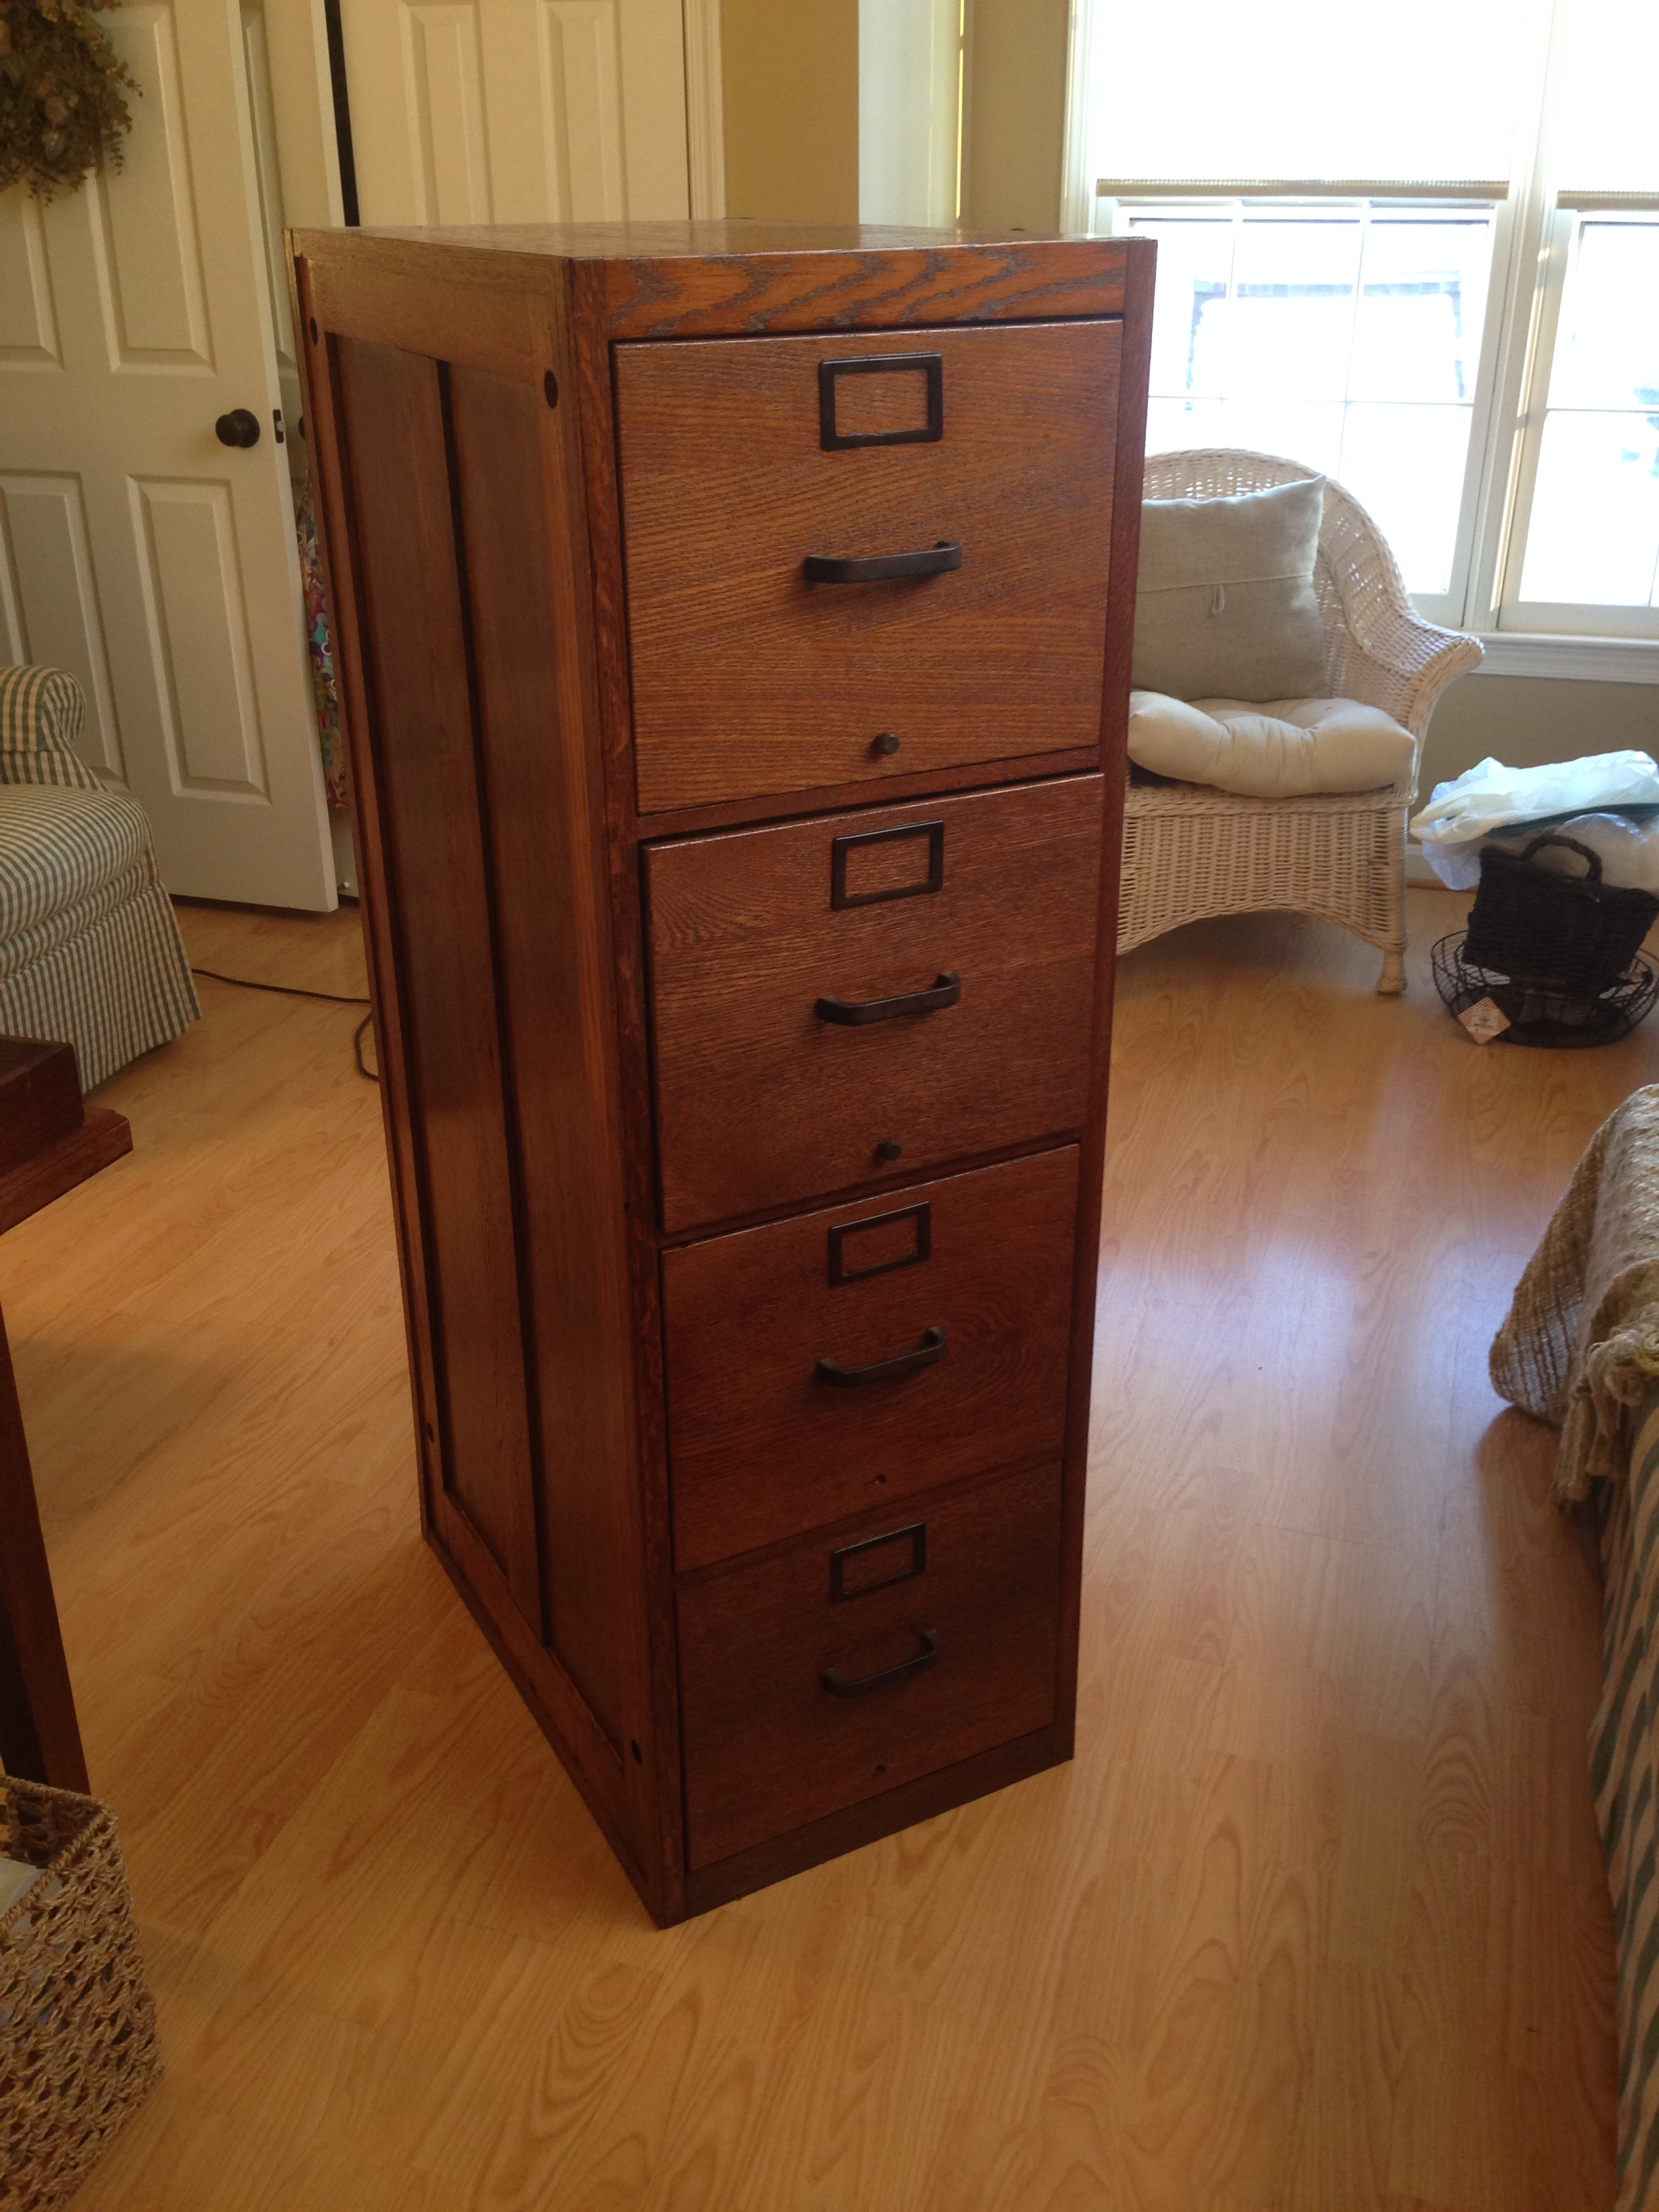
(1592, 874)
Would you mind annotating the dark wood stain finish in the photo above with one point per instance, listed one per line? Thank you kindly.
(761, 1102)
(767, 1750)
(748, 677)
(616, 1123)
(420, 668)
(48, 1144)
(761, 1447)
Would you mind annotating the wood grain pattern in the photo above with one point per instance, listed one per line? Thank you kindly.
(399, 1970)
(683, 280)
(748, 679)
(40, 1736)
(768, 1748)
(760, 1102)
(102, 1138)
(39, 1098)
(505, 454)
(419, 672)
(488, 688)
(48, 1144)
(760, 1449)
(552, 952)
(871, 276)
(402, 299)
(1129, 441)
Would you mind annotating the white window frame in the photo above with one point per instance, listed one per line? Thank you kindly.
(1115, 211)
(1559, 233)
(1533, 241)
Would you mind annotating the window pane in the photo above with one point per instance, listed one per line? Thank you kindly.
(1405, 466)
(1287, 330)
(1593, 537)
(1194, 263)
(1176, 426)
(1422, 304)
(1300, 88)
(1606, 352)
(1311, 434)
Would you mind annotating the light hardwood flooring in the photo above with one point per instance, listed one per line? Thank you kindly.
(1314, 1923)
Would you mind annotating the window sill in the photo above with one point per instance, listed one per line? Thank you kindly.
(1570, 659)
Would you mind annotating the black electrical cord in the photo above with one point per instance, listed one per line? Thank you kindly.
(293, 991)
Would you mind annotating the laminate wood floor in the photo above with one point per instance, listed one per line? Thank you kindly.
(1314, 1923)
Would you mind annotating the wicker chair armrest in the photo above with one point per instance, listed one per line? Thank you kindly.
(1408, 662)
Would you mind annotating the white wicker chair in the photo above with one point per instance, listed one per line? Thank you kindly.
(1190, 851)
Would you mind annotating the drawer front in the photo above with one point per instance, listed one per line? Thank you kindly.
(749, 675)
(955, 1611)
(761, 937)
(840, 1360)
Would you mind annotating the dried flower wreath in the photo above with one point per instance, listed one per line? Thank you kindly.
(63, 110)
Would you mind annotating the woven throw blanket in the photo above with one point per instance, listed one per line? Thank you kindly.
(1622, 1774)
(1579, 1347)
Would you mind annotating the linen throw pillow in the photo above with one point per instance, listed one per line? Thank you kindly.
(1225, 606)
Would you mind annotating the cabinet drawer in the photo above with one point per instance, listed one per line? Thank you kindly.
(966, 1595)
(840, 1360)
(759, 937)
(749, 676)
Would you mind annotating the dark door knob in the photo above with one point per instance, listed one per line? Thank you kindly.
(239, 427)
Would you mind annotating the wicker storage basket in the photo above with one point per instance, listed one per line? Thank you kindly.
(77, 2027)
(1574, 932)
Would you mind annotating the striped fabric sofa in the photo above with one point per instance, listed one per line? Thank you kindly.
(90, 951)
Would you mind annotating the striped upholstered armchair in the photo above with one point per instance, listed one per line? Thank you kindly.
(90, 951)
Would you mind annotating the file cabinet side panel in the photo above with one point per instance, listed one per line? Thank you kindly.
(459, 561)
(1129, 464)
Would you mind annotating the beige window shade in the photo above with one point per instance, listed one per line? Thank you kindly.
(1484, 190)
(1609, 203)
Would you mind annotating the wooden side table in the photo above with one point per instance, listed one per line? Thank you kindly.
(49, 1142)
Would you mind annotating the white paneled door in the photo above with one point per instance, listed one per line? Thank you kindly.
(516, 111)
(136, 549)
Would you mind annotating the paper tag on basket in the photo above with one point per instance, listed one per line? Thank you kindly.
(1485, 1020)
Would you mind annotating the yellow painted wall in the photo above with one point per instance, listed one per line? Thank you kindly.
(790, 72)
(1525, 721)
(790, 77)
(1014, 121)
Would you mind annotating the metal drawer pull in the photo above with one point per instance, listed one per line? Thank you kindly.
(933, 561)
(855, 1685)
(933, 1346)
(855, 1014)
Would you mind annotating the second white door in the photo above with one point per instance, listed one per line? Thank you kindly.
(516, 111)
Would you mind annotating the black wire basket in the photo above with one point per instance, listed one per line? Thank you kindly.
(1539, 1013)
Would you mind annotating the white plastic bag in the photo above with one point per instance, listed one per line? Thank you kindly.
(1490, 795)
(1628, 851)
(1627, 847)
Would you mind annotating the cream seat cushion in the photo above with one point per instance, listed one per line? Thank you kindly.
(1281, 749)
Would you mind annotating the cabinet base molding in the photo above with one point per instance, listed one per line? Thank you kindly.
(849, 1830)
